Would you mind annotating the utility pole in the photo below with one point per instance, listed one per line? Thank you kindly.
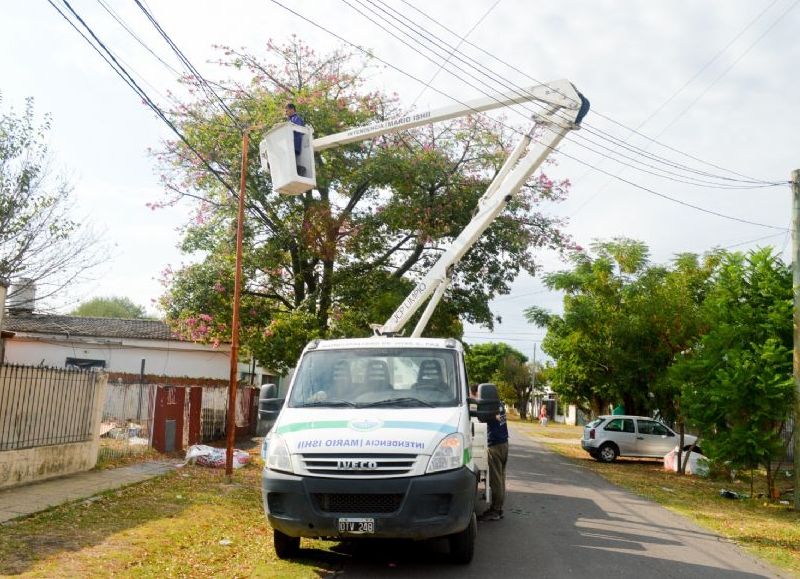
(796, 357)
(533, 381)
(237, 291)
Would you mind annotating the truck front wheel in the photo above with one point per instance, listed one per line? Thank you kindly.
(462, 545)
(286, 547)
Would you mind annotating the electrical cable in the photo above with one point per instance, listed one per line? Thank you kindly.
(168, 66)
(728, 69)
(122, 73)
(460, 41)
(204, 85)
(525, 92)
(371, 54)
(705, 91)
(125, 76)
(122, 23)
(595, 112)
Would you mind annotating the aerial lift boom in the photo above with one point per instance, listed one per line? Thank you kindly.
(564, 108)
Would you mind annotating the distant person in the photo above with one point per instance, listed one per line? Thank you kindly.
(543, 414)
(497, 434)
(293, 117)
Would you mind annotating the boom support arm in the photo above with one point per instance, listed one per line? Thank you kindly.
(559, 93)
(563, 115)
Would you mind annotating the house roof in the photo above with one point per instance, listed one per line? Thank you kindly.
(93, 327)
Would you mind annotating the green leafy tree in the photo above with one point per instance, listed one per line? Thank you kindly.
(41, 242)
(485, 360)
(329, 262)
(514, 380)
(110, 307)
(624, 321)
(738, 387)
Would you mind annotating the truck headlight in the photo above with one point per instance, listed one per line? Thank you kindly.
(449, 454)
(278, 457)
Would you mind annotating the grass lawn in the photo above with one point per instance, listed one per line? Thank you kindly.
(189, 523)
(767, 529)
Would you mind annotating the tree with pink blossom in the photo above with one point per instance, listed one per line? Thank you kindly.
(329, 262)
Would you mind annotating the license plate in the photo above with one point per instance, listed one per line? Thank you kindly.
(357, 526)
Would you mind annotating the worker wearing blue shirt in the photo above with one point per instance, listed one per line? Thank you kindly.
(497, 440)
(291, 114)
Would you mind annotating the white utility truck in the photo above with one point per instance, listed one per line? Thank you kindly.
(374, 438)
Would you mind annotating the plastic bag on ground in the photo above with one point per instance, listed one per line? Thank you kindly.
(214, 457)
(697, 464)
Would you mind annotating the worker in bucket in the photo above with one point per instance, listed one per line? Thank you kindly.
(293, 117)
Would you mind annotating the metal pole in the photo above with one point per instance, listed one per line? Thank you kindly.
(237, 288)
(533, 381)
(141, 388)
(796, 357)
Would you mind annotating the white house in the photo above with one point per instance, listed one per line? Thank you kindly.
(118, 346)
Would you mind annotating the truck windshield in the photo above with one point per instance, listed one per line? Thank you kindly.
(378, 378)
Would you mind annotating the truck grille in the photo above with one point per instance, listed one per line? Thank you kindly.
(366, 465)
(357, 503)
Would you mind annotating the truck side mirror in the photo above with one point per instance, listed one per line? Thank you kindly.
(488, 403)
(269, 405)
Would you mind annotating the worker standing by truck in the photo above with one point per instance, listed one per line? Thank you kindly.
(497, 431)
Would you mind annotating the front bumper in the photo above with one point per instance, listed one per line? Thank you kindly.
(419, 507)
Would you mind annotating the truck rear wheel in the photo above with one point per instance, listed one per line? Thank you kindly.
(462, 545)
(286, 547)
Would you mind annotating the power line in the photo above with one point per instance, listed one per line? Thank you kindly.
(415, 28)
(204, 85)
(728, 69)
(125, 76)
(122, 23)
(672, 97)
(749, 241)
(598, 113)
(371, 54)
(460, 41)
(168, 66)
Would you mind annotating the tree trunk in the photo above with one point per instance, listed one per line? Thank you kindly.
(523, 409)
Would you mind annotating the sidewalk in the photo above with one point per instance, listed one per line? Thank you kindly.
(25, 500)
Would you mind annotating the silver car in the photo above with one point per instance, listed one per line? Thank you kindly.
(607, 437)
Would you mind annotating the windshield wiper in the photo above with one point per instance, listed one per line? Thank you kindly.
(329, 403)
(406, 401)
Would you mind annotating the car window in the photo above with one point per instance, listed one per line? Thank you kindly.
(595, 423)
(620, 425)
(654, 428)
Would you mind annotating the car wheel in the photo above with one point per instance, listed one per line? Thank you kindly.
(286, 547)
(593, 454)
(689, 448)
(462, 545)
(607, 453)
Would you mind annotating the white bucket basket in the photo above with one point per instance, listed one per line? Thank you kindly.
(277, 157)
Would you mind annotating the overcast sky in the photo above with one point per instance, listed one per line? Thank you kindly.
(725, 69)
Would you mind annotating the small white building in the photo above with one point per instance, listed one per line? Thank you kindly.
(117, 346)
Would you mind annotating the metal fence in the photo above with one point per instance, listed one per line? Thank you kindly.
(42, 406)
(126, 427)
(213, 414)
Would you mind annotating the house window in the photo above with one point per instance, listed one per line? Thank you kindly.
(84, 364)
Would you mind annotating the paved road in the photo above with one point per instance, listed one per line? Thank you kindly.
(562, 520)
